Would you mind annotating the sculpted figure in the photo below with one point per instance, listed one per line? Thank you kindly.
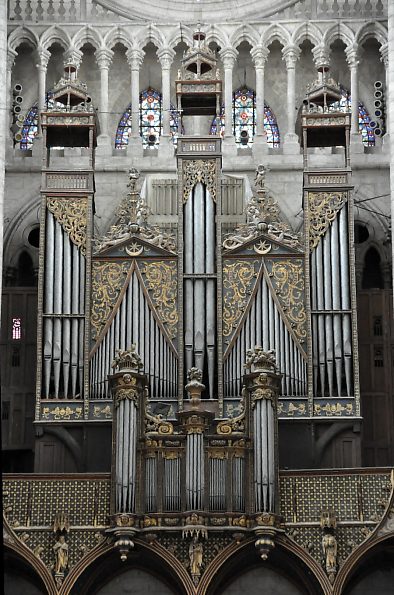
(195, 557)
(61, 555)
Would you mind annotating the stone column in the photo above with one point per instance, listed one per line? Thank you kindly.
(11, 55)
(291, 54)
(166, 58)
(135, 57)
(259, 57)
(228, 56)
(42, 65)
(390, 108)
(104, 59)
(385, 59)
(352, 60)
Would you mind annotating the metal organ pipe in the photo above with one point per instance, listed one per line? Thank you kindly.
(200, 284)
(264, 325)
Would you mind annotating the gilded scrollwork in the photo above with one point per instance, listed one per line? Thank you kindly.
(238, 282)
(161, 281)
(59, 413)
(323, 209)
(71, 214)
(288, 280)
(155, 424)
(108, 279)
(199, 170)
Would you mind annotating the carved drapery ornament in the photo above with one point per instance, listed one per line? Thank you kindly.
(71, 214)
(199, 170)
(238, 281)
(323, 208)
(288, 279)
(108, 279)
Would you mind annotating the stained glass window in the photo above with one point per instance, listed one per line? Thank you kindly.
(30, 123)
(150, 116)
(244, 118)
(364, 119)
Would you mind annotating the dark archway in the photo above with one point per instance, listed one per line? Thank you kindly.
(19, 576)
(143, 572)
(372, 273)
(374, 573)
(245, 572)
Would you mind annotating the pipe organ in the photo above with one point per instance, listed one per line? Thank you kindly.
(196, 329)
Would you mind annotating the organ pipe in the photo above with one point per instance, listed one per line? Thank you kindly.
(127, 384)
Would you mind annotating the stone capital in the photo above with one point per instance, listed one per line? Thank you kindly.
(166, 57)
(74, 56)
(259, 56)
(321, 55)
(290, 55)
(43, 58)
(103, 58)
(228, 56)
(11, 55)
(135, 57)
(384, 52)
(352, 55)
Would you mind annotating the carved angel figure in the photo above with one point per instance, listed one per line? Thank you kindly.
(195, 557)
(259, 179)
(61, 555)
(134, 174)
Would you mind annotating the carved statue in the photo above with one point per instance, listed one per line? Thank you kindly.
(260, 359)
(330, 547)
(134, 174)
(195, 557)
(127, 359)
(259, 179)
(61, 555)
(194, 374)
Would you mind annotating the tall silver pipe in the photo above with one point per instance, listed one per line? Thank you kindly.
(48, 301)
(66, 356)
(57, 306)
(320, 318)
(265, 315)
(329, 279)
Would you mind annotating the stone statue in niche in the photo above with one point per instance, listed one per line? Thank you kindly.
(195, 557)
(61, 555)
(330, 548)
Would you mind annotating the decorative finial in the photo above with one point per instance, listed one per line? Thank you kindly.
(258, 360)
(127, 360)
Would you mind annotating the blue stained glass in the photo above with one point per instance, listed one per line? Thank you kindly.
(364, 120)
(244, 118)
(30, 124)
(150, 116)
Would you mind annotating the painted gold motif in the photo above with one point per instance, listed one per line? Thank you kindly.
(63, 413)
(333, 409)
(108, 279)
(161, 281)
(199, 170)
(288, 280)
(238, 282)
(323, 209)
(72, 216)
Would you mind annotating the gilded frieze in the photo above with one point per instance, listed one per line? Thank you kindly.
(160, 278)
(108, 278)
(329, 409)
(199, 170)
(72, 215)
(323, 208)
(239, 279)
(287, 277)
